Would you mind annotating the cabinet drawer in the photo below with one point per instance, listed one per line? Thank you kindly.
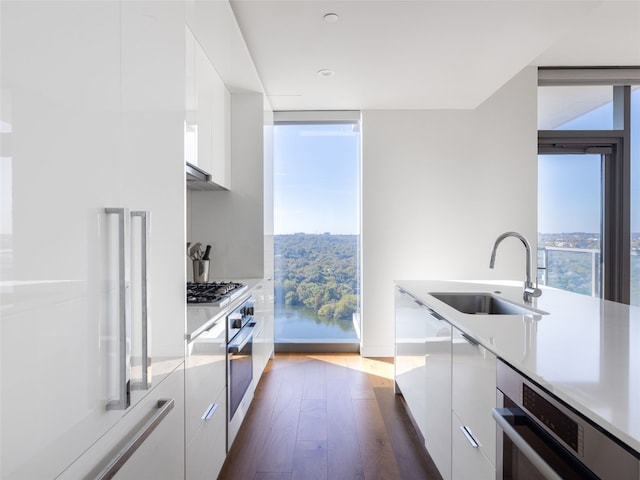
(474, 390)
(207, 450)
(161, 454)
(468, 462)
(206, 374)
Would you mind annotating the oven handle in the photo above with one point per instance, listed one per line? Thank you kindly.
(241, 339)
(538, 462)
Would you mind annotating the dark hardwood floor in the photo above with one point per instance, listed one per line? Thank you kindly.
(327, 416)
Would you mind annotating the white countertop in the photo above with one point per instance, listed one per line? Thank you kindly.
(202, 317)
(586, 351)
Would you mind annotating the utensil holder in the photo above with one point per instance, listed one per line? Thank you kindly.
(201, 271)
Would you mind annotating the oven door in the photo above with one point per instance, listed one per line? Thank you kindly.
(240, 366)
(527, 452)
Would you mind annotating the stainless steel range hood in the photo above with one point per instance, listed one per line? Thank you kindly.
(198, 179)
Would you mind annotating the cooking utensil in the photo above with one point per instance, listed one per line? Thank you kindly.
(196, 252)
(206, 253)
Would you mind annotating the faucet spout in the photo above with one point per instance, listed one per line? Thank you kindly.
(530, 290)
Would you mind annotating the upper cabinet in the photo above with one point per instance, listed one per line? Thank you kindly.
(207, 125)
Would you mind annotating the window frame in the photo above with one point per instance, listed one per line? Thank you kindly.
(615, 147)
(616, 228)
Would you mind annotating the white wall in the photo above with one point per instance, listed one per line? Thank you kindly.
(438, 187)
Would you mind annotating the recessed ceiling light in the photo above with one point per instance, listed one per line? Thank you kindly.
(331, 17)
(325, 72)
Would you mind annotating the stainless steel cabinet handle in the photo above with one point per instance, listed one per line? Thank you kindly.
(145, 382)
(470, 439)
(164, 407)
(470, 339)
(211, 409)
(124, 308)
(538, 462)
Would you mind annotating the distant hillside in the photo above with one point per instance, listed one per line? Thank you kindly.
(319, 272)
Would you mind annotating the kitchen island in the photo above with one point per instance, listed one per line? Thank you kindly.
(583, 350)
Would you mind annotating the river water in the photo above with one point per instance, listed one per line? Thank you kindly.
(300, 324)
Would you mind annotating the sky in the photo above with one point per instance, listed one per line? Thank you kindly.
(569, 191)
(316, 179)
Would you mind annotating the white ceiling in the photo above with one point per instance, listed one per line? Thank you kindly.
(422, 54)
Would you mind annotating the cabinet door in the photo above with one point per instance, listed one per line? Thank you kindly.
(206, 375)
(423, 374)
(469, 462)
(83, 122)
(161, 455)
(155, 424)
(205, 77)
(474, 390)
(437, 433)
(220, 132)
(60, 115)
(191, 100)
(152, 179)
(207, 450)
(410, 375)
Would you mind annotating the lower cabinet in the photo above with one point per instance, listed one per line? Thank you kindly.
(468, 462)
(423, 374)
(473, 396)
(437, 434)
(156, 424)
(206, 402)
(161, 455)
(411, 328)
(448, 382)
(207, 449)
(264, 334)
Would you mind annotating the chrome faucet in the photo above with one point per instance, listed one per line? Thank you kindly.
(530, 290)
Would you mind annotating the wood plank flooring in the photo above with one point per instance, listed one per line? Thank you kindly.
(327, 417)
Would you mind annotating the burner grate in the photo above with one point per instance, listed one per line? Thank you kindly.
(213, 293)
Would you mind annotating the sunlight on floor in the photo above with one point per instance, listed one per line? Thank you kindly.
(381, 367)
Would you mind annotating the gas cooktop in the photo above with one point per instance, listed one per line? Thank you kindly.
(214, 293)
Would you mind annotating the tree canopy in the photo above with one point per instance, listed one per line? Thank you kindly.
(319, 272)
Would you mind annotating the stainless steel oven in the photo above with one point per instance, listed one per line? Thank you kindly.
(540, 437)
(241, 326)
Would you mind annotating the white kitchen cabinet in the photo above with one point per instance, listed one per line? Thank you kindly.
(207, 450)
(437, 435)
(474, 396)
(208, 125)
(158, 419)
(161, 455)
(220, 132)
(206, 402)
(468, 462)
(191, 99)
(423, 374)
(410, 375)
(264, 332)
(93, 110)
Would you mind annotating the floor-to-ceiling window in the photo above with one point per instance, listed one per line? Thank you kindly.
(317, 230)
(588, 184)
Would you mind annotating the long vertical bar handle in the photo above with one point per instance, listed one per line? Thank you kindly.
(145, 218)
(124, 312)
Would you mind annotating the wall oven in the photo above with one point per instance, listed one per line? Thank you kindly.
(240, 326)
(540, 437)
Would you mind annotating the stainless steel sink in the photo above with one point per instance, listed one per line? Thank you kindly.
(483, 304)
